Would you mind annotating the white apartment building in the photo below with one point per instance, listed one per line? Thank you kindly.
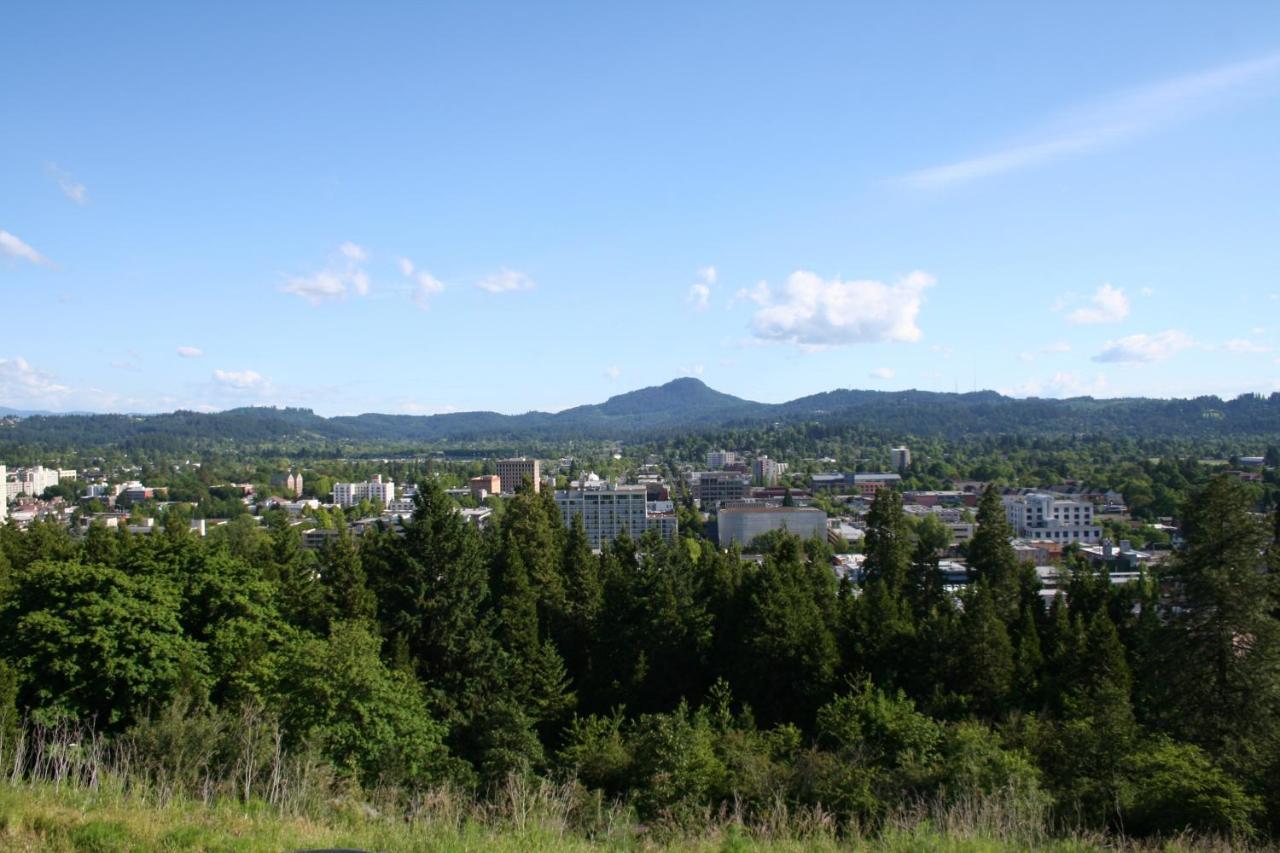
(1047, 517)
(900, 458)
(377, 489)
(607, 510)
(33, 481)
(4, 493)
(721, 458)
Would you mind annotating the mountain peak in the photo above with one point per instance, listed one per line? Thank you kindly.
(679, 396)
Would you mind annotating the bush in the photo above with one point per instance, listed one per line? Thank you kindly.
(1175, 787)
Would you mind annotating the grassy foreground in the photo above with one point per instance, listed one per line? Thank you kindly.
(57, 818)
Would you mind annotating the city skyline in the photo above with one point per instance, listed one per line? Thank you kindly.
(420, 211)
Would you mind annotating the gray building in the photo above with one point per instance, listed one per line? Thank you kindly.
(742, 524)
(716, 487)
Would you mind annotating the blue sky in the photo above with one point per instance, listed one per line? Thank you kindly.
(414, 208)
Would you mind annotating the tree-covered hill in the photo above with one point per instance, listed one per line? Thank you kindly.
(678, 405)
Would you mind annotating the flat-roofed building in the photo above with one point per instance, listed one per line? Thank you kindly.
(717, 487)
(483, 486)
(607, 510)
(742, 524)
(1051, 518)
(513, 472)
(377, 489)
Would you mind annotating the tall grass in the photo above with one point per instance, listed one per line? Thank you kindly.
(183, 781)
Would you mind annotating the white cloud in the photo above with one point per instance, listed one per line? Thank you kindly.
(612, 372)
(1148, 291)
(243, 380)
(1113, 119)
(693, 370)
(20, 382)
(341, 277)
(506, 281)
(944, 351)
(70, 187)
(426, 286)
(759, 294)
(699, 295)
(13, 247)
(1109, 305)
(816, 312)
(1144, 349)
(1244, 346)
(1060, 385)
(190, 352)
(882, 373)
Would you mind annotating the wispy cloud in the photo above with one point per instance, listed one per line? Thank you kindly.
(612, 372)
(342, 276)
(1060, 385)
(70, 187)
(700, 291)
(1053, 348)
(506, 281)
(1144, 349)
(13, 247)
(882, 373)
(1244, 346)
(1113, 119)
(425, 285)
(190, 352)
(20, 382)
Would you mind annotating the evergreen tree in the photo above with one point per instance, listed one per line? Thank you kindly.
(1013, 585)
(1222, 662)
(925, 589)
(888, 543)
(346, 592)
(584, 599)
(986, 665)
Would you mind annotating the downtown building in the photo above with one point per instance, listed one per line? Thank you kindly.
(742, 524)
(607, 510)
(1043, 517)
(512, 472)
(377, 489)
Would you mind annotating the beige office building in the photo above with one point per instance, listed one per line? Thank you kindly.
(513, 472)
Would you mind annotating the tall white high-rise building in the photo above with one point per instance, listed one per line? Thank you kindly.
(4, 493)
(900, 457)
(606, 511)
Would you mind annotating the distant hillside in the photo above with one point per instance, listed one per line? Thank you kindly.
(682, 404)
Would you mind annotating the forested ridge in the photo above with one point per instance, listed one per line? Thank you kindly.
(669, 410)
(670, 676)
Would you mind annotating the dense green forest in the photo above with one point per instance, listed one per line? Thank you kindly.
(669, 676)
(665, 411)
